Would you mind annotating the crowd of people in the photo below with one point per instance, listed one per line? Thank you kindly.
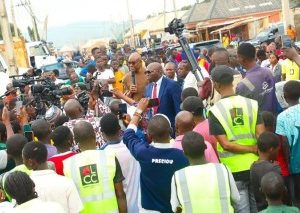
(139, 133)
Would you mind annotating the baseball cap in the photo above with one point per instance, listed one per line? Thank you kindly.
(222, 74)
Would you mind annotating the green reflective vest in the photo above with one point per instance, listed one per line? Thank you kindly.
(204, 188)
(238, 116)
(93, 172)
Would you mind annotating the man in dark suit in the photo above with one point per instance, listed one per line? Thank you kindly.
(166, 90)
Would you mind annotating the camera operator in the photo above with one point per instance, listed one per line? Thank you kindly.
(74, 110)
(10, 94)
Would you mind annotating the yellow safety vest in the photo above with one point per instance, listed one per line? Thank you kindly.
(204, 188)
(93, 172)
(238, 117)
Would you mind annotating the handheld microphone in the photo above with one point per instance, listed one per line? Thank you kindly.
(133, 78)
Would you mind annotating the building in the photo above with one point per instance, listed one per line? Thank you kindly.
(244, 18)
(152, 29)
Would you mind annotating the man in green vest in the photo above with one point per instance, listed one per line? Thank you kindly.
(97, 175)
(236, 123)
(202, 186)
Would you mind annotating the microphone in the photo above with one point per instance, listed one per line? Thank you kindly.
(133, 77)
(132, 81)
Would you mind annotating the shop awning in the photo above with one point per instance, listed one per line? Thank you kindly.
(210, 24)
(237, 24)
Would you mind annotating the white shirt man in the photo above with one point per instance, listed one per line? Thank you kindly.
(56, 188)
(191, 81)
(105, 75)
(36, 206)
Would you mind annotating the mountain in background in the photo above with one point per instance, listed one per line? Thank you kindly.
(78, 33)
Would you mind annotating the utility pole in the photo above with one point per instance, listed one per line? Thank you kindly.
(34, 24)
(45, 30)
(286, 16)
(131, 24)
(165, 18)
(12, 7)
(175, 9)
(27, 5)
(8, 40)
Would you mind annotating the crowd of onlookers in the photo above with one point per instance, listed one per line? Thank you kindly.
(139, 133)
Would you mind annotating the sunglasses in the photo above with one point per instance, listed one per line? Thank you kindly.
(148, 72)
(133, 62)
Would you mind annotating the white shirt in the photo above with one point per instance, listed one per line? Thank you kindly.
(59, 81)
(234, 193)
(56, 188)
(265, 63)
(37, 206)
(158, 84)
(3, 159)
(191, 81)
(131, 171)
(105, 75)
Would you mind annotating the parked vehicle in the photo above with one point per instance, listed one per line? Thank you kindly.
(39, 54)
(267, 35)
(196, 47)
(61, 67)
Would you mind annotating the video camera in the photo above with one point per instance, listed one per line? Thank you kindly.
(50, 90)
(27, 78)
(175, 27)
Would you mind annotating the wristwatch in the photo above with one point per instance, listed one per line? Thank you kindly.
(139, 111)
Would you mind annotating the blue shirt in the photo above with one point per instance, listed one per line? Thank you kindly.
(84, 69)
(259, 85)
(288, 125)
(158, 165)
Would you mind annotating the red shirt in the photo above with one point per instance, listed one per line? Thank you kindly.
(178, 57)
(58, 161)
(281, 161)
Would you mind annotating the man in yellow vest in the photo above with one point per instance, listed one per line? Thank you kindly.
(202, 186)
(236, 123)
(96, 174)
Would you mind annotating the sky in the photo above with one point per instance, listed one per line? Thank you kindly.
(62, 12)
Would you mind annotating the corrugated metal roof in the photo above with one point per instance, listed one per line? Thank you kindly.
(218, 9)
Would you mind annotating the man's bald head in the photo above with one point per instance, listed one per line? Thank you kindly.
(134, 57)
(220, 57)
(84, 134)
(184, 122)
(156, 65)
(73, 109)
(159, 128)
(154, 72)
(135, 62)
